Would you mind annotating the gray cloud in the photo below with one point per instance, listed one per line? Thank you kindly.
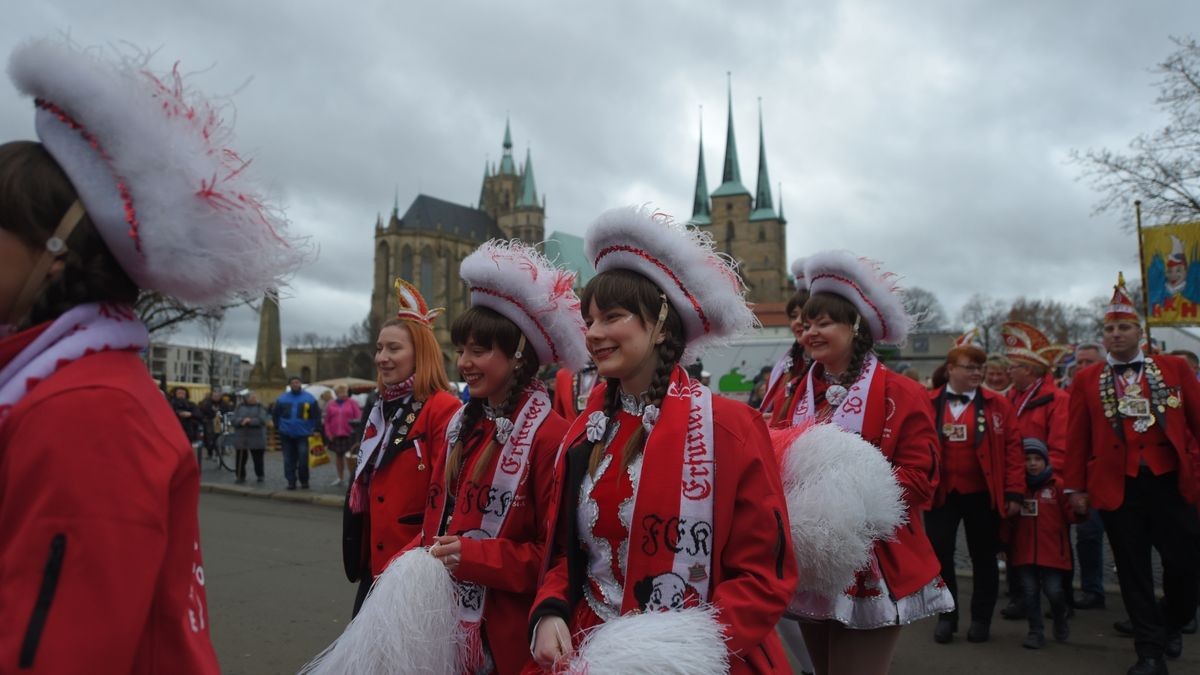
(931, 135)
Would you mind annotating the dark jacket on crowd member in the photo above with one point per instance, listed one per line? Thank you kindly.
(252, 436)
(191, 425)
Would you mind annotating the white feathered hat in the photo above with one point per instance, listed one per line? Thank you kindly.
(702, 285)
(517, 281)
(801, 281)
(151, 163)
(867, 286)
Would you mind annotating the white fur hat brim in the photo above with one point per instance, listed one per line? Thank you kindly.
(151, 163)
(701, 285)
(517, 281)
(865, 285)
(801, 281)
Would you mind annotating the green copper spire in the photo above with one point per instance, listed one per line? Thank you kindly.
(763, 208)
(483, 187)
(781, 218)
(701, 212)
(528, 196)
(506, 162)
(731, 177)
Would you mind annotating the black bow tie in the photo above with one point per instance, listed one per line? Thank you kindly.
(1122, 368)
(961, 398)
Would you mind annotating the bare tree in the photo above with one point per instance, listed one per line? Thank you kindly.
(928, 310)
(986, 314)
(1162, 169)
(212, 326)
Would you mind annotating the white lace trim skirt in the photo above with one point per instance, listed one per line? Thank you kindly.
(868, 604)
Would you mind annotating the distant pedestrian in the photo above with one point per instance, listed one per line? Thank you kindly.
(250, 436)
(210, 421)
(188, 415)
(297, 416)
(1040, 546)
(340, 415)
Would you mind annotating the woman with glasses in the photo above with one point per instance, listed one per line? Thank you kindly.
(982, 481)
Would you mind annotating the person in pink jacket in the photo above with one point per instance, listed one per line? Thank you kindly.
(340, 414)
(100, 566)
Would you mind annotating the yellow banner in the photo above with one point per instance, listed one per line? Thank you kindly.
(1171, 262)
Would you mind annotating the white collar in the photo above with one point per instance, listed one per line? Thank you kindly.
(1135, 360)
(969, 394)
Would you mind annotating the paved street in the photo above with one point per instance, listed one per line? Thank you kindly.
(277, 596)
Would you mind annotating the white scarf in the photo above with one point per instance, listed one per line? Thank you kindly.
(82, 330)
(849, 415)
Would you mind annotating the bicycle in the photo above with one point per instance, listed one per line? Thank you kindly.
(223, 453)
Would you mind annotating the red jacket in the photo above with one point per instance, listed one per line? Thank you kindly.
(754, 569)
(509, 565)
(1097, 454)
(1044, 417)
(1039, 534)
(564, 395)
(400, 484)
(999, 448)
(100, 565)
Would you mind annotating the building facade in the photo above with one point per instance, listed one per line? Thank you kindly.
(190, 365)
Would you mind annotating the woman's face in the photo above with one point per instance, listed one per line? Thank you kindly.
(619, 342)
(488, 371)
(16, 264)
(827, 341)
(394, 357)
(796, 322)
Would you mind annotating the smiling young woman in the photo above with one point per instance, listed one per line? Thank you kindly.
(669, 507)
(780, 399)
(404, 434)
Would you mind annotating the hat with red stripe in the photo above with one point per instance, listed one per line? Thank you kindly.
(1121, 307)
(411, 304)
(798, 274)
(517, 281)
(702, 285)
(866, 285)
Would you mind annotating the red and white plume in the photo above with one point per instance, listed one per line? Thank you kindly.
(701, 284)
(153, 164)
(517, 281)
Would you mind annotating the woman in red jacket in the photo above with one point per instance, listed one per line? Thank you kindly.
(779, 403)
(853, 306)
(100, 566)
(490, 499)
(404, 435)
(669, 508)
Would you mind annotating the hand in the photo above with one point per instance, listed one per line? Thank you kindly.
(551, 641)
(448, 551)
(1079, 503)
(1011, 509)
(185, 414)
(245, 421)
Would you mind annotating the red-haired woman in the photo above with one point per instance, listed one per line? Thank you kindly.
(853, 306)
(779, 403)
(405, 432)
(670, 510)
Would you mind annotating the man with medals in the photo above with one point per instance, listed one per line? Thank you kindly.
(1132, 453)
(981, 481)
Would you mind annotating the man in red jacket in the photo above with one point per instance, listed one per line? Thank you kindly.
(1132, 453)
(982, 480)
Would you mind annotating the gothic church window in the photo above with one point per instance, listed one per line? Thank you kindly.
(426, 285)
(406, 264)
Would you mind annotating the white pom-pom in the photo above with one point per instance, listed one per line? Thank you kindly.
(842, 497)
(406, 625)
(687, 642)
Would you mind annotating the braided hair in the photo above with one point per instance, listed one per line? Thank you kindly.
(634, 293)
(840, 310)
(487, 328)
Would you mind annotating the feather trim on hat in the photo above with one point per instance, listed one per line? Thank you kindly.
(800, 280)
(517, 281)
(865, 284)
(151, 161)
(702, 285)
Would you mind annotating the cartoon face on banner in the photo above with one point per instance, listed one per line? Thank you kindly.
(1172, 263)
(665, 592)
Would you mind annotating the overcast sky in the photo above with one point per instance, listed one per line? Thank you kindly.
(931, 135)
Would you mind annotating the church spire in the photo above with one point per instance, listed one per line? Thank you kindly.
(506, 162)
(528, 196)
(731, 176)
(483, 188)
(763, 208)
(701, 212)
(780, 191)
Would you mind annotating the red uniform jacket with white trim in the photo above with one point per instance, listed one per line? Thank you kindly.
(398, 489)
(508, 565)
(754, 570)
(1097, 453)
(1039, 534)
(564, 395)
(100, 565)
(998, 448)
(1044, 417)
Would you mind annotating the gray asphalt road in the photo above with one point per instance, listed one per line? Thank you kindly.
(277, 596)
